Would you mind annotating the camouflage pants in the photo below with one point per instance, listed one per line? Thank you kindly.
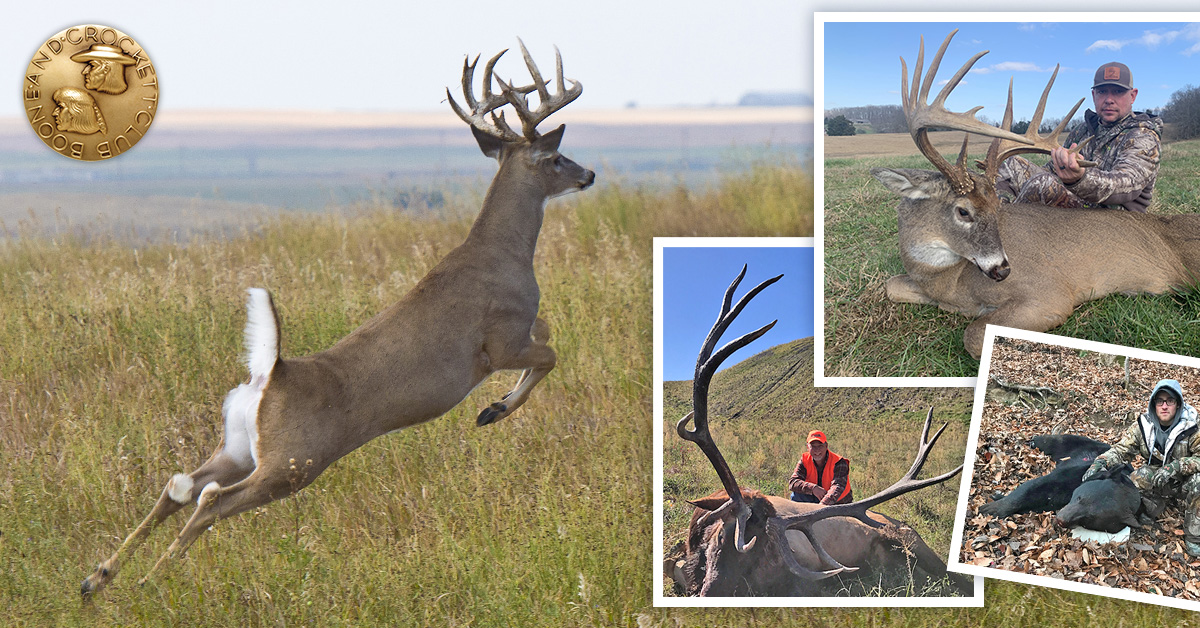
(1186, 489)
(1020, 181)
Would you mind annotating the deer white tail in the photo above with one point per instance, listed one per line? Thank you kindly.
(262, 336)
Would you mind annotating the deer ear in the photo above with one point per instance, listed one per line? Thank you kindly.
(489, 144)
(549, 142)
(911, 184)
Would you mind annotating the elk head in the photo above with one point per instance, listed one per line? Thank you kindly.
(745, 546)
(529, 150)
(963, 204)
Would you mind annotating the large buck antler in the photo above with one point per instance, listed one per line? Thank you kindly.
(922, 116)
(483, 115)
(706, 365)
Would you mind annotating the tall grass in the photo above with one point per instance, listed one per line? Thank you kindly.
(114, 361)
(868, 335)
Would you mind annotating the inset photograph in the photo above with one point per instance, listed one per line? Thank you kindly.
(1086, 471)
(1031, 173)
(841, 496)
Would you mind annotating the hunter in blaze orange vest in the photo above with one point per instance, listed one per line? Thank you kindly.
(828, 485)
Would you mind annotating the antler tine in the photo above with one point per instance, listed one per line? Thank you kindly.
(922, 116)
(858, 509)
(1032, 142)
(478, 116)
(777, 534)
(706, 365)
(548, 103)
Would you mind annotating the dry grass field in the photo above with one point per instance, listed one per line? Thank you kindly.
(886, 145)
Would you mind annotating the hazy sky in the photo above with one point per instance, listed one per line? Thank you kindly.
(694, 283)
(377, 55)
(861, 60)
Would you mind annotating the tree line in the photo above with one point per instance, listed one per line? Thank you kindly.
(1181, 114)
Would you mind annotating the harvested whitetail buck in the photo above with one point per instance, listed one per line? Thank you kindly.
(1020, 265)
(742, 542)
(475, 313)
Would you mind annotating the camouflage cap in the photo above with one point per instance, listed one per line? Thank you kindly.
(1114, 74)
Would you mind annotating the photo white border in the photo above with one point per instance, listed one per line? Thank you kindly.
(819, 20)
(975, 601)
(955, 564)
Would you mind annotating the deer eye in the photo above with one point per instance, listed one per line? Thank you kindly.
(965, 214)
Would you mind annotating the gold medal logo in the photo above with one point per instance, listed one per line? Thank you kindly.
(90, 92)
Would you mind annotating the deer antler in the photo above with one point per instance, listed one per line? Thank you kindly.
(1002, 149)
(921, 117)
(804, 522)
(494, 124)
(706, 366)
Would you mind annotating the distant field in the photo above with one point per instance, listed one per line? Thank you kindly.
(209, 171)
(888, 145)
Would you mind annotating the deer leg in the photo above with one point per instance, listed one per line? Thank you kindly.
(1033, 316)
(902, 289)
(217, 502)
(177, 493)
(538, 359)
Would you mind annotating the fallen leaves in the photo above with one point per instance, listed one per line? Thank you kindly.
(1092, 399)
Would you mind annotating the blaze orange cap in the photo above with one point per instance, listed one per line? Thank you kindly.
(816, 435)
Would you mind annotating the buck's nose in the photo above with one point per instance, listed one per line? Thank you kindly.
(1000, 272)
(589, 178)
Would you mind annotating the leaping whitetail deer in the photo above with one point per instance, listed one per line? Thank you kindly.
(473, 314)
(801, 543)
(1020, 265)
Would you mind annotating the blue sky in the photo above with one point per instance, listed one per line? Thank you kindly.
(389, 55)
(862, 61)
(694, 282)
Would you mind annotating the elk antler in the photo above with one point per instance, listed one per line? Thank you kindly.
(776, 526)
(921, 117)
(495, 125)
(706, 366)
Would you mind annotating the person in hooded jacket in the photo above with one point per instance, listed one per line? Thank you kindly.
(1167, 437)
(1125, 144)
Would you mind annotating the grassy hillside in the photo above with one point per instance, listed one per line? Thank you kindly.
(868, 335)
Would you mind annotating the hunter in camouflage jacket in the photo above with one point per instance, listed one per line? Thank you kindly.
(1126, 153)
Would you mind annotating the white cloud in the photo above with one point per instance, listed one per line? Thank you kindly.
(1018, 66)
(1106, 44)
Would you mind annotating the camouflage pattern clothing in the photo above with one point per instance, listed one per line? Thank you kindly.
(1172, 455)
(1126, 153)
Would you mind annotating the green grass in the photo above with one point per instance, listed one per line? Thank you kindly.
(867, 335)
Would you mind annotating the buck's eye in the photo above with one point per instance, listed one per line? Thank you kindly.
(965, 214)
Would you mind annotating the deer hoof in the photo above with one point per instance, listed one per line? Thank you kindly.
(491, 414)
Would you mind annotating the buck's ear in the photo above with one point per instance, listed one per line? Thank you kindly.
(549, 142)
(911, 184)
(489, 144)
